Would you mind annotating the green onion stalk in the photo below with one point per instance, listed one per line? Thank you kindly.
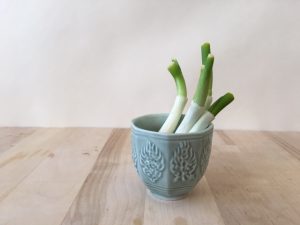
(173, 118)
(212, 112)
(197, 107)
(209, 98)
(205, 50)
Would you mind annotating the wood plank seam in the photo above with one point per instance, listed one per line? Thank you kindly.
(7, 193)
(225, 137)
(4, 195)
(105, 152)
(48, 192)
(282, 143)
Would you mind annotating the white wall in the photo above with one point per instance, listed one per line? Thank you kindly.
(101, 63)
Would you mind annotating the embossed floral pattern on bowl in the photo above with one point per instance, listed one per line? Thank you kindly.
(170, 165)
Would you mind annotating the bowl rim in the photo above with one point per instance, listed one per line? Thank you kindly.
(137, 130)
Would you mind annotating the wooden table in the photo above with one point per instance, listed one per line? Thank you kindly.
(86, 176)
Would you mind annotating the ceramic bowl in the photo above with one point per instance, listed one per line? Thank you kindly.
(170, 165)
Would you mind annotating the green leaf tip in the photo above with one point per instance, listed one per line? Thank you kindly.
(205, 51)
(221, 103)
(203, 83)
(176, 72)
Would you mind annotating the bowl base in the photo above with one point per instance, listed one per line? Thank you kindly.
(164, 198)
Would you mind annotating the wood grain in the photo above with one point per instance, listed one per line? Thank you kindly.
(19, 162)
(79, 176)
(255, 183)
(9, 136)
(289, 146)
(198, 208)
(52, 186)
(111, 193)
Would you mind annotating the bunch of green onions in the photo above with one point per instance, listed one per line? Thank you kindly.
(201, 112)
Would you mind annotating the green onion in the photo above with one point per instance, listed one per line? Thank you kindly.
(211, 113)
(205, 49)
(221, 103)
(197, 107)
(171, 122)
(203, 84)
(176, 72)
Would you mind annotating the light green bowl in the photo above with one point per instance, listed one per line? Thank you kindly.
(170, 165)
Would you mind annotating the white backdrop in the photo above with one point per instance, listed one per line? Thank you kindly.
(101, 63)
